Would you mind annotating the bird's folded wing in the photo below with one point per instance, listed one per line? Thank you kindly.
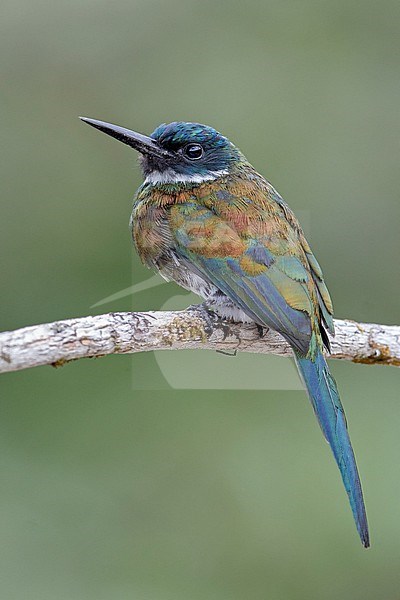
(324, 299)
(275, 290)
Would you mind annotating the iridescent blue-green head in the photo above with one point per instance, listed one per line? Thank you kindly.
(179, 151)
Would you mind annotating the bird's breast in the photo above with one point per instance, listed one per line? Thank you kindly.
(153, 224)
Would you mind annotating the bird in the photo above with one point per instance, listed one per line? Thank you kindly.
(206, 219)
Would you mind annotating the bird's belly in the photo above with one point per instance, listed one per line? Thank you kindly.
(172, 269)
(227, 309)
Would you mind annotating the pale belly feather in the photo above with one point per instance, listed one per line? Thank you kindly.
(172, 268)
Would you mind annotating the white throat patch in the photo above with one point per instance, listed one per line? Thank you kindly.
(170, 176)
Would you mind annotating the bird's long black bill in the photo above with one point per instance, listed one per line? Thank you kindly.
(141, 143)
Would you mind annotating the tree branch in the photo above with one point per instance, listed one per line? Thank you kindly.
(194, 328)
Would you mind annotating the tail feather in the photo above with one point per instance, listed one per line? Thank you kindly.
(325, 399)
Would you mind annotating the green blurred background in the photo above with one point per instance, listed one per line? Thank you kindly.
(110, 491)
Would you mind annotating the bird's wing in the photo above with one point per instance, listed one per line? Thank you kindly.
(257, 262)
(324, 299)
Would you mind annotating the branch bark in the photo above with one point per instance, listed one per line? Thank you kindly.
(195, 328)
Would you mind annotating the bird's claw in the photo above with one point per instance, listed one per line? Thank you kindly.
(261, 330)
(206, 315)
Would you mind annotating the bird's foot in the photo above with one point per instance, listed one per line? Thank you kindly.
(213, 321)
(262, 330)
(206, 314)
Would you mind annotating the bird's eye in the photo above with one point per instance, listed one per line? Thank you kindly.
(193, 151)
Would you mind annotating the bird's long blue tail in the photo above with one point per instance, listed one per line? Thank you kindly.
(325, 399)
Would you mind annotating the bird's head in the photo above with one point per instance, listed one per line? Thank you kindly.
(178, 152)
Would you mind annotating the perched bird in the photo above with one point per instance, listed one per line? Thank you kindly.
(206, 219)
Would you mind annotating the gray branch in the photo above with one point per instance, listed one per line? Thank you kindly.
(123, 333)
